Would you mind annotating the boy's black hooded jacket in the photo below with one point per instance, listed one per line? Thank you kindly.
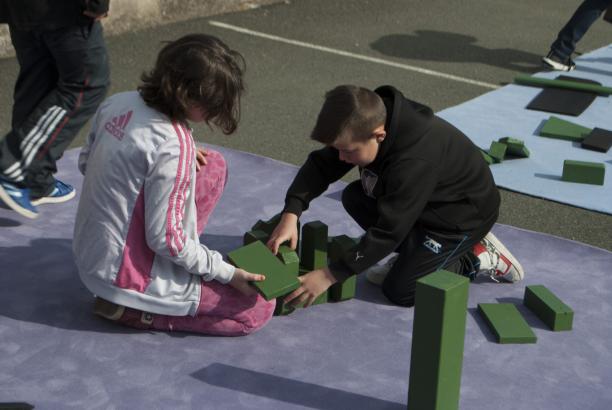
(49, 14)
(429, 173)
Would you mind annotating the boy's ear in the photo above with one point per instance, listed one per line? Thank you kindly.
(380, 134)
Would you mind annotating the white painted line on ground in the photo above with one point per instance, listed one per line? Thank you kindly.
(352, 55)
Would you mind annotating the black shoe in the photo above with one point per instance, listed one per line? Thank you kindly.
(554, 62)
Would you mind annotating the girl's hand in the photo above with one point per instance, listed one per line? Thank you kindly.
(240, 281)
(286, 230)
(313, 284)
(200, 158)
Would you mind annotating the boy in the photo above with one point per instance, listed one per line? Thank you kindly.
(425, 192)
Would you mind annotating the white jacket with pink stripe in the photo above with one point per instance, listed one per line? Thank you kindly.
(135, 236)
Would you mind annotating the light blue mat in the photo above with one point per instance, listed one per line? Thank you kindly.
(502, 113)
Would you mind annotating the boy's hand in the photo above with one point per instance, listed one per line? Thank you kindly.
(313, 284)
(240, 281)
(201, 158)
(286, 230)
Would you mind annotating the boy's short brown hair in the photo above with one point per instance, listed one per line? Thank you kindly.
(349, 111)
(196, 69)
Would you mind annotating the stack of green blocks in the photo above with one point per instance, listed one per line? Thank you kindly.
(506, 146)
(315, 247)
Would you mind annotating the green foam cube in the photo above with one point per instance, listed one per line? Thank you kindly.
(583, 172)
(548, 307)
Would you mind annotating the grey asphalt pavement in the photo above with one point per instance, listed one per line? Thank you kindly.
(482, 40)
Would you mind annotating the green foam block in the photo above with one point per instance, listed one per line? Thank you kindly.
(557, 128)
(313, 254)
(337, 246)
(498, 151)
(438, 337)
(506, 322)
(253, 236)
(257, 258)
(515, 147)
(489, 159)
(569, 85)
(584, 172)
(548, 307)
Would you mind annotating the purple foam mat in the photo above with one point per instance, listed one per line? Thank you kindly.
(55, 354)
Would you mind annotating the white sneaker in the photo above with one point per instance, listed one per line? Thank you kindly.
(377, 273)
(496, 261)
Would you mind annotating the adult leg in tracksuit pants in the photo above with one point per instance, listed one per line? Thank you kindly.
(63, 77)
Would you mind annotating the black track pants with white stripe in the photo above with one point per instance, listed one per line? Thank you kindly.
(422, 252)
(63, 77)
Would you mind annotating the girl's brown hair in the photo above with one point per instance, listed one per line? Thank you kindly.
(196, 70)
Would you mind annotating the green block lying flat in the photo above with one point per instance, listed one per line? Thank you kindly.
(257, 258)
(337, 246)
(584, 172)
(438, 336)
(570, 85)
(565, 130)
(497, 151)
(549, 308)
(515, 147)
(506, 323)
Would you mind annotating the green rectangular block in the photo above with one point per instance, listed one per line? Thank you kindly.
(557, 128)
(253, 236)
(290, 259)
(548, 307)
(515, 147)
(337, 246)
(489, 159)
(267, 226)
(506, 322)
(437, 341)
(498, 151)
(257, 258)
(313, 254)
(584, 172)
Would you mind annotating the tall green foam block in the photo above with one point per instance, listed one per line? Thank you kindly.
(437, 341)
(337, 246)
(313, 253)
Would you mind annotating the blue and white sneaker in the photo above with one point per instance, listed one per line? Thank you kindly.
(61, 193)
(18, 199)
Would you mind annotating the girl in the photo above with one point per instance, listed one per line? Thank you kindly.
(148, 193)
